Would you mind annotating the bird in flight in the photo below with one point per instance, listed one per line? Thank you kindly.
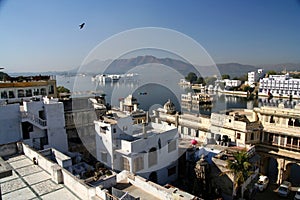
(81, 25)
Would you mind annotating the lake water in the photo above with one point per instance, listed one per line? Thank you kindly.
(152, 94)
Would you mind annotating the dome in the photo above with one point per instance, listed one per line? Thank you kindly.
(169, 107)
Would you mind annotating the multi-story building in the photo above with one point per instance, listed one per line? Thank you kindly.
(236, 127)
(254, 76)
(280, 86)
(79, 116)
(24, 88)
(39, 123)
(279, 144)
(150, 151)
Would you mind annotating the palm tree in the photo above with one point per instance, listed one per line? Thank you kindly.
(240, 168)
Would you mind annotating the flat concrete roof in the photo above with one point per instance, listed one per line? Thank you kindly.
(135, 191)
(29, 181)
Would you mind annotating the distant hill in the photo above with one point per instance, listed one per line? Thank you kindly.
(235, 69)
(124, 65)
(281, 67)
(119, 66)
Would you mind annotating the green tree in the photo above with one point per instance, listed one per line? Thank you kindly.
(240, 168)
(191, 77)
(200, 80)
(271, 72)
(245, 88)
(225, 76)
(62, 89)
(210, 80)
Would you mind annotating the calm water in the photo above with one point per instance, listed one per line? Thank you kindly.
(153, 94)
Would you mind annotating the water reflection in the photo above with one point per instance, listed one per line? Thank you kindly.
(156, 94)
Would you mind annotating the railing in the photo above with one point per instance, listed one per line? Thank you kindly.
(34, 118)
(287, 146)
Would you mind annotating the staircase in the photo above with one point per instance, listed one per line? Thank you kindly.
(34, 119)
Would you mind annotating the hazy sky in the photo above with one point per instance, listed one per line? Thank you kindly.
(44, 35)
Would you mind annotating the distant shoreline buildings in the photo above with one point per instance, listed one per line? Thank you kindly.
(282, 86)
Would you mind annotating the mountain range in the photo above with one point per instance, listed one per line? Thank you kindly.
(120, 66)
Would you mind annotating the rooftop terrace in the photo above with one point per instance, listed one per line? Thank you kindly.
(29, 181)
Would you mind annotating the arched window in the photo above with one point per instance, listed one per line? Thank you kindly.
(290, 123)
(21, 93)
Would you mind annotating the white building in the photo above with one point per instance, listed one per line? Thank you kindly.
(232, 83)
(10, 122)
(280, 86)
(41, 124)
(254, 76)
(228, 83)
(150, 151)
(17, 89)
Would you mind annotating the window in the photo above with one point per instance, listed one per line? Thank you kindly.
(171, 146)
(28, 93)
(290, 122)
(51, 89)
(172, 171)
(295, 141)
(252, 136)
(271, 137)
(159, 143)
(276, 137)
(114, 130)
(272, 119)
(238, 136)
(288, 140)
(138, 164)
(43, 91)
(3, 95)
(36, 91)
(126, 165)
(152, 157)
(297, 122)
(21, 93)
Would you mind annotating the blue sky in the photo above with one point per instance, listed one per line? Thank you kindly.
(44, 35)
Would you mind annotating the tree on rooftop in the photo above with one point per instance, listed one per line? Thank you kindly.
(62, 89)
(240, 168)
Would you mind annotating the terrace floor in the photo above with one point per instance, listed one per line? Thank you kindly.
(29, 181)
